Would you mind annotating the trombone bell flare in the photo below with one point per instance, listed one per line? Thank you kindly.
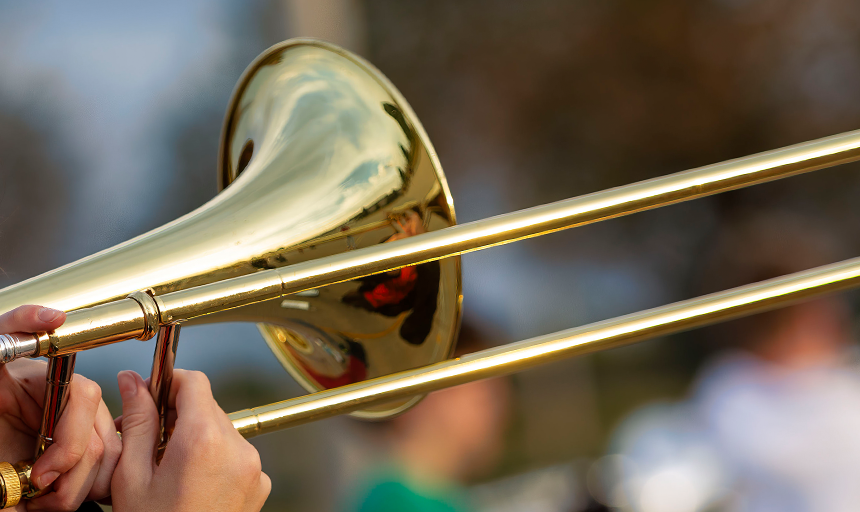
(319, 155)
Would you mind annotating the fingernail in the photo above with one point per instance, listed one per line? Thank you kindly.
(49, 315)
(127, 384)
(47, 479)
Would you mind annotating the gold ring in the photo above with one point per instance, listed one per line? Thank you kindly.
(11, 485)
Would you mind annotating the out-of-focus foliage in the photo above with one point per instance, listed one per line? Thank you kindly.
(526, 102)
(33, 196)
(529, 102)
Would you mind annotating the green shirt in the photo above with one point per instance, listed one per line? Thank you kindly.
(393, 495)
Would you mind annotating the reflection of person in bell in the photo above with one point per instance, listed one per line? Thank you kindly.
(410, 288)
(331, 360)
(354, 368)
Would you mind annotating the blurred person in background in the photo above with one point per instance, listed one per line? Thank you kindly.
(770, 425)
(450, 437)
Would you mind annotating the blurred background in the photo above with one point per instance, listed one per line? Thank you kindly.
(109, 123)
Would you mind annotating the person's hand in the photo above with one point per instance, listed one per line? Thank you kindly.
(86, 448)
(207, 464)
(410, 225)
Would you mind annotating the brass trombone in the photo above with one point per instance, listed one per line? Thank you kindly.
(322, 159)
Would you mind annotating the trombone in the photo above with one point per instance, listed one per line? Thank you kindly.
(321, 159)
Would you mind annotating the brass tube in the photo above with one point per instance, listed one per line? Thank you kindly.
(519, 356)
(510, 227)
(99, 325)
(161, 378)
(57, 380)
(210, 298)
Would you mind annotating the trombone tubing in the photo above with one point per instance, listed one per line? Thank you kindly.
(526, 354)
(124, 319)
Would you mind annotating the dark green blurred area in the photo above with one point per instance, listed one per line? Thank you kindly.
(526, 103)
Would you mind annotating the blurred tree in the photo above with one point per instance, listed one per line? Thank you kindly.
(33, 197)
(542, 100)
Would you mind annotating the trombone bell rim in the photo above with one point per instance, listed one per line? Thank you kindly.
(227, 173)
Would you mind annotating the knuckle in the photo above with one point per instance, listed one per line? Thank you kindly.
(21, 315)
(133, 421)
(194, 375)
(209, 437)
(96, 447)
(88, 390)
(99, 491)
(244, 465)
(112, 449)
(249, 461)
(67, 502)
(265, 486)
(200, 379)
(71, 455)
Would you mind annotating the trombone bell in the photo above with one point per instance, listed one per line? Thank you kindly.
(319, 155)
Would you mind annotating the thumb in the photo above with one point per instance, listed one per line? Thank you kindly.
(140, 424)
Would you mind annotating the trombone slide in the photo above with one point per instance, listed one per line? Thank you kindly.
(141, 315)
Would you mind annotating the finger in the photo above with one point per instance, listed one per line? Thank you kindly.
(265, 485)
(28, 393)
(263, 491)
(31, 319)
(140, 426)
(118, 420)
(197, 429)
(71, 488)
(72, 436)
(191, 395)
(112, 447)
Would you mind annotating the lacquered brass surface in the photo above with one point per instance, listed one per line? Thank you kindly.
(329, 179)
(299, 278)
(57, 380)
(10, 486)
(161, 378)
(526, 354)
(360, 167)
(322, 155)
(15, 483)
